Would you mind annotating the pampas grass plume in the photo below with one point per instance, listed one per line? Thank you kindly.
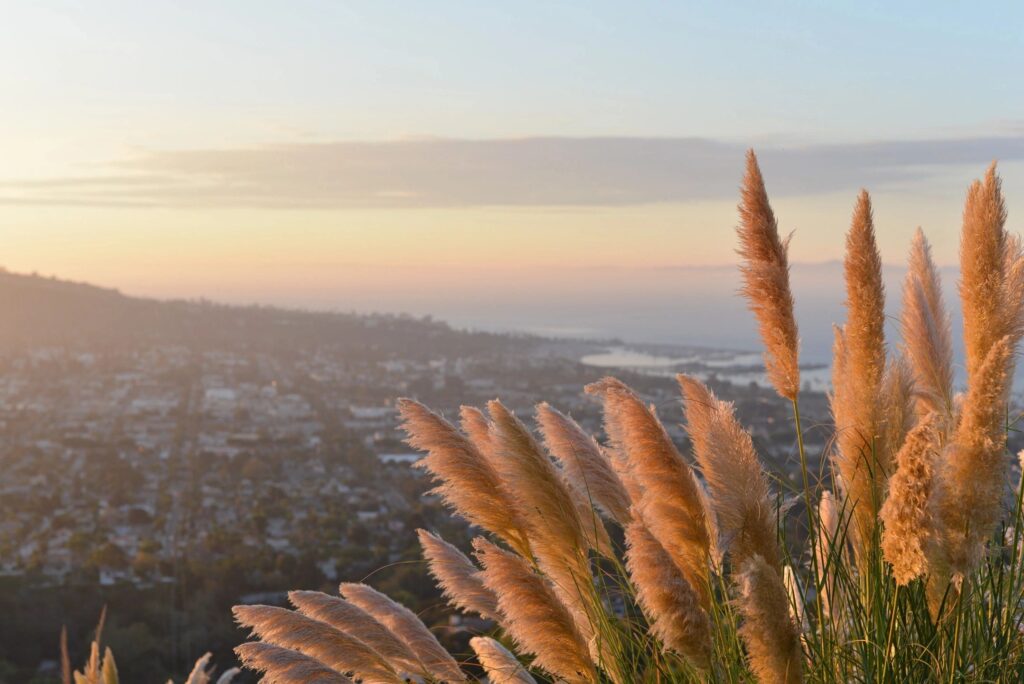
(974, 470)
(862, 458)
(283, 666)
(587, 468)
(458, 577)
(669, 602)
(768, 631)
(333, 648)
(353, 620)
(539, 492)
(926, 332)
(468, 482)
(501, 666)
(533, 615)
(906, 512)
(765, 270)
(983, 261)
(201, 671)
(401, 622)
(670, 501)
(739, 491)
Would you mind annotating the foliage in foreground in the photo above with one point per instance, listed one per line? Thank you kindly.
(907, 562)
(102, 669)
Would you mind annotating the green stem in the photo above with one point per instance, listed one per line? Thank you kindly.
(889, 636)
(809, 503)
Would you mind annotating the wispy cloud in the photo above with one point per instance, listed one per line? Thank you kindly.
(541, 171)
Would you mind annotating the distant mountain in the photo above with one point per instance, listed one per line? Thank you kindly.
(38, 311)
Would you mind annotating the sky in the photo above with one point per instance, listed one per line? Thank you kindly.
(416, 156)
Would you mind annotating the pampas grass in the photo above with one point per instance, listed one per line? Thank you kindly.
(540, 494)
(354, 621)
(467, 481)
(769, 632)
(667, 496)
(906, 513)
(671, 604)
(765, 270)
(406, 627)
(587, 467)
(283, 666)
(458, 578)
(862, 457)
(983, 268)
(499, 663)
(333, 648)
(910, 573)
(927, 333)
(534, 617)
(973, 474)
(743, 505)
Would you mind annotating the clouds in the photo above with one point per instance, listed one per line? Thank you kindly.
(539, 171)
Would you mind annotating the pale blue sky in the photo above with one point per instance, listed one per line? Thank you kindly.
(376, 70)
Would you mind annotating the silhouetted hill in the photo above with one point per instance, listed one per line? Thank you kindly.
(38, 312)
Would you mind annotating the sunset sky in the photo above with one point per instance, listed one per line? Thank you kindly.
(318, 153)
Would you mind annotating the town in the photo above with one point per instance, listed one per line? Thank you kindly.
(175, 475)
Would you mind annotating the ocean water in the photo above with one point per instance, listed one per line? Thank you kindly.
(720, 363)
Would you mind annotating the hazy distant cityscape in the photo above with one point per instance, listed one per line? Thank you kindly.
(219, 455)
(170, 478)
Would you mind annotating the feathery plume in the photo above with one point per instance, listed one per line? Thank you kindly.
(356, 622)
(109, 673)
(973, 471)
(829, 549)
(483, 434)
(739, 493)
(468, 483)
(501, 666)
(669, 499)
(406, 626)
(670, 603)
(541, 495)
(335, 649)
(593, 524)
(898, 405)
(458, 577)
(769, 633)
(906, 514)
(534, 616)
(1013, 287)
(797, 609)
(765, 272)
(983, 257)
(282, 666)
(476, 426)
(587, 468)
(201, 670)
(716, 549)
(926, 332)
(862, 459)
(557, 534)
(699, 417)
(228, 676)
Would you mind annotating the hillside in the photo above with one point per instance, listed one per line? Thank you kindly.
(39, 312)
